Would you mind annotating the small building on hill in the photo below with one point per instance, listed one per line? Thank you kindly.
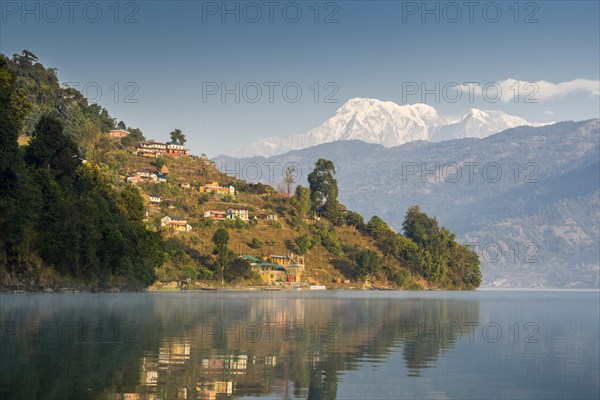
(161, 177)
(212, 214)
(213, 187)
(268, 217)
(238, 212)
(175, 223)
(151, 149)
(156, 149)
(154, 199)
(177, 149)
(293, 266)
(269, 272)
(142, 176)
(275, 268)
(164, 170)
(118, 133)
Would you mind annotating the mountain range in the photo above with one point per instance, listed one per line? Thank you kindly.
(388, 124)
(529, 196)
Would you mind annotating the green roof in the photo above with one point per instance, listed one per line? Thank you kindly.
(266, 264)
(250, 258)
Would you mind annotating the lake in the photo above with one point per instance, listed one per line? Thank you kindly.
(305, 344)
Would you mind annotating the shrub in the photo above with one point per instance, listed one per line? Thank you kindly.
(275, 224)
(257, 243)
(304, 243)
(205, 223)
(203, 198)
(368, 263)
(354, 219)
(189, 272)
(204, 274)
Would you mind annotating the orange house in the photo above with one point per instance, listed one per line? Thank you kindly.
(118, 133)
(213, 187)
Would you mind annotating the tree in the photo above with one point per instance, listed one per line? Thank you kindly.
(44, 92)
(437, 256)
(354, 219)
(27, 56)
(405, 247)
(159, 162)
(94, 144)
(289, 177)
(419, 227)
(322, 184)
(13, 107)
(304, 243)
(332, 211)
(57, 212)
(429, 266)
(237, 269)
(327, 236)
(377, 228)
(121, 125)
(367, 263)
(131, 203)
(178, 137)
(301, 201)
(220, 239)
(135, 136)
(51, 148)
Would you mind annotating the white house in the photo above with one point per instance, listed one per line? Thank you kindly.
(241, 213)
(154, 199)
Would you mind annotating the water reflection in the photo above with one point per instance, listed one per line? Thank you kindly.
(282, 345)
(211, 345)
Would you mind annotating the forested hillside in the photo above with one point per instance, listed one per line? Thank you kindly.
(74, 214)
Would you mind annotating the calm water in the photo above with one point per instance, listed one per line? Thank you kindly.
(317, 345)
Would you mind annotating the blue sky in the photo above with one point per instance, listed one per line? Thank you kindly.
(175, 54)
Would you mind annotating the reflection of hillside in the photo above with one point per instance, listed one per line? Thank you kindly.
(51, 343)
(224, 347)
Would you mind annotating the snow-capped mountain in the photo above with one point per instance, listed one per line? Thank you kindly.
(388, 124)
(478, 124)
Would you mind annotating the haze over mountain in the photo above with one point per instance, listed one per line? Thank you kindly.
(388, 124)
(529, 195)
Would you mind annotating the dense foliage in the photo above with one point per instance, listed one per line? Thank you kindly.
(47, 97)
(425, 248)
(57, 212)
(83, 121)
(324, 191)
(428, 250)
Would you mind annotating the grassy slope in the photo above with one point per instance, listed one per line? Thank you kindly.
(278, 238)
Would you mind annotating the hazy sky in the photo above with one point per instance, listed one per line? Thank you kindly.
(163, 65)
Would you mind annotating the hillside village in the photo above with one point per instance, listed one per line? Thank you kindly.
(188, 199)
(169, 206)
(115, 209)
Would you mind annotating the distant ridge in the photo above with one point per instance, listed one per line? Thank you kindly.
(542, 211)
(388, 124)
